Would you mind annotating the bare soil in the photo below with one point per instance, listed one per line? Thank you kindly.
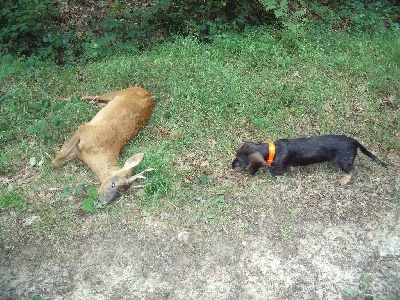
(299, 236)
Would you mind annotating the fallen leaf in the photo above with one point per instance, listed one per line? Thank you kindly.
(183, 237)
(29, 221)
(32, 161)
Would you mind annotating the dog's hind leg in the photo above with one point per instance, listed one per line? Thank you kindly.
(346, 164)
(348, 178)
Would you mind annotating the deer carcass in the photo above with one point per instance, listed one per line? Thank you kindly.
(99, 142)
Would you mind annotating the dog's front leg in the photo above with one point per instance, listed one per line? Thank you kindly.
(256, 162)
(253, 169)
(279, 165)
(276, 170)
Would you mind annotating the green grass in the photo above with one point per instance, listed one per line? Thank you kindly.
(263, 84)
(11, 200)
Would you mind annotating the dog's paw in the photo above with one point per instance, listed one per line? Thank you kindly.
(349, 178)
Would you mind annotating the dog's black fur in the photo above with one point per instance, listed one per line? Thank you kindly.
(339, 149)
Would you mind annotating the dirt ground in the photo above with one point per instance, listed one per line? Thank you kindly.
(300, 236)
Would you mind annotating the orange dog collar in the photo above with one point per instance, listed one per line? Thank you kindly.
(271, 153)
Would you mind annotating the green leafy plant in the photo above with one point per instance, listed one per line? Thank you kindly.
(3, 160)
(39, 129)
(43, 29)
(23, 24)
(204, 179)
(89, 204)
(25, 31)
(51, 118)
(348, 291)
(42, 106)
(65, 193)
(365, 283)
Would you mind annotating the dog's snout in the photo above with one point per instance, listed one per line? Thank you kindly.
(235, 163)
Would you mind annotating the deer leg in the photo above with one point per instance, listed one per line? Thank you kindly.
(101, 100)
(67, 151)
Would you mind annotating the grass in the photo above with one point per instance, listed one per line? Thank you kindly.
(11, 199)
(263, 85)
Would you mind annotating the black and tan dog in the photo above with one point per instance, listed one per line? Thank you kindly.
(279, 155)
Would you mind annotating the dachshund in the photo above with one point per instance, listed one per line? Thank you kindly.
(283, 153)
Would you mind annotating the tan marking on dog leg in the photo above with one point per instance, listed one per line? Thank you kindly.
(257, 159)
(348, 178)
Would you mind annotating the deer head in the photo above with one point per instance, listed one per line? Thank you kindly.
(120, 180)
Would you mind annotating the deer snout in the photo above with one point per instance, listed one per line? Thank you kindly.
(120, 180)
(111, 190)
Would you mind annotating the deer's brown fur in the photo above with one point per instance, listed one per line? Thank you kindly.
(99, 142)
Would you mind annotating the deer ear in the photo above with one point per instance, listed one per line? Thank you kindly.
(133, 161)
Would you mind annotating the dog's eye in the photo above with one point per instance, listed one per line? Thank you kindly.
(113, 184)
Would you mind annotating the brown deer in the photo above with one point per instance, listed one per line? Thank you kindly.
(99, 142)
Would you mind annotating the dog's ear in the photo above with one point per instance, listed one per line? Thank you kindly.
(256, 158)
(256, 161)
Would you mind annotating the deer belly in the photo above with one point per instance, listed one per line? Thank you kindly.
(104, 138)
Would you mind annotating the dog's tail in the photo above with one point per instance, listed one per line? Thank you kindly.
(370, 155)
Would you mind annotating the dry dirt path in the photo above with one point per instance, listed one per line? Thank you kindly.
(304, 240)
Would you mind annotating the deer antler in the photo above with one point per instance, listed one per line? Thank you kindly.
(139, 175)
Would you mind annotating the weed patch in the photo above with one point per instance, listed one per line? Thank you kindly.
(11, 200)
